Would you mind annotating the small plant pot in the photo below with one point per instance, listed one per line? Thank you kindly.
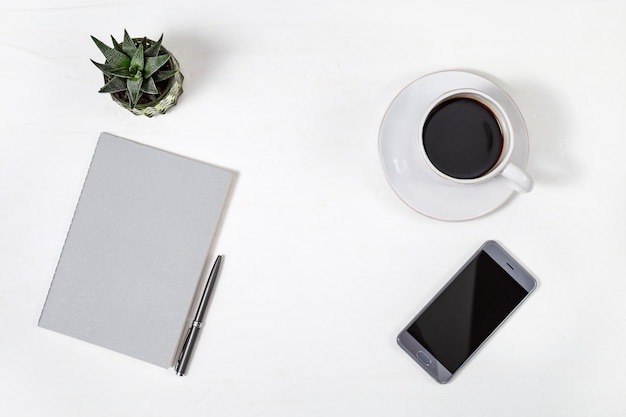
(169, 90)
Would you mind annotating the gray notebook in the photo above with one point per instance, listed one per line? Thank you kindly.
(136, 250)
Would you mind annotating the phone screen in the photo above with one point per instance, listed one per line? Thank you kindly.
(468, 310)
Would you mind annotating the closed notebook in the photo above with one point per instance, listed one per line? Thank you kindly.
(136, 250)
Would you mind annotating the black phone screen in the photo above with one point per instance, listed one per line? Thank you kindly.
(467, 311)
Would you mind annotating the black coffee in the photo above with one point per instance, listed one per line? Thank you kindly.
(462, 138)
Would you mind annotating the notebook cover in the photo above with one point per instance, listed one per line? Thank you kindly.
(136, 249)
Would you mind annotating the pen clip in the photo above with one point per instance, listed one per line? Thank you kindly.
(183, 349)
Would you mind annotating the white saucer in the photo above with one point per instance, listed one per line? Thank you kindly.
(405, 169)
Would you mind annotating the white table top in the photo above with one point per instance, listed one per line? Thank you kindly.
(324, 263)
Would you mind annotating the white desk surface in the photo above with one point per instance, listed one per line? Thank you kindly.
(324, 263)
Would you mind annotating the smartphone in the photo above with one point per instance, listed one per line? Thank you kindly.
(466, 311)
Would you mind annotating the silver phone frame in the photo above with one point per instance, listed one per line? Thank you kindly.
(510, 265)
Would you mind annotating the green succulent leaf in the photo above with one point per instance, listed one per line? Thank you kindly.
(134, 90)
(103, 67)
(149, 87)
(112, 72)
(155, 48)
(116, 45)
(116, 85)
(137, 62)
(114, 57)
(128, 46)
(163, 75)
(153, 64)
(122, 73)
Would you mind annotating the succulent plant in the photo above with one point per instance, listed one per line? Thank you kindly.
(137, 68)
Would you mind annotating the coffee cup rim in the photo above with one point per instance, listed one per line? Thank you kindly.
(501, 117)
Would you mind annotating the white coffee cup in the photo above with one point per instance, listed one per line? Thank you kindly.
(456, 131)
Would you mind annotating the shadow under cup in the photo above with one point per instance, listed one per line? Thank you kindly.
(464, 138)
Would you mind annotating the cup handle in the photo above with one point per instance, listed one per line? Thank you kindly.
(517, 178)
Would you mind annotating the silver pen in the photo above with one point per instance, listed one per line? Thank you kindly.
(194, 329)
